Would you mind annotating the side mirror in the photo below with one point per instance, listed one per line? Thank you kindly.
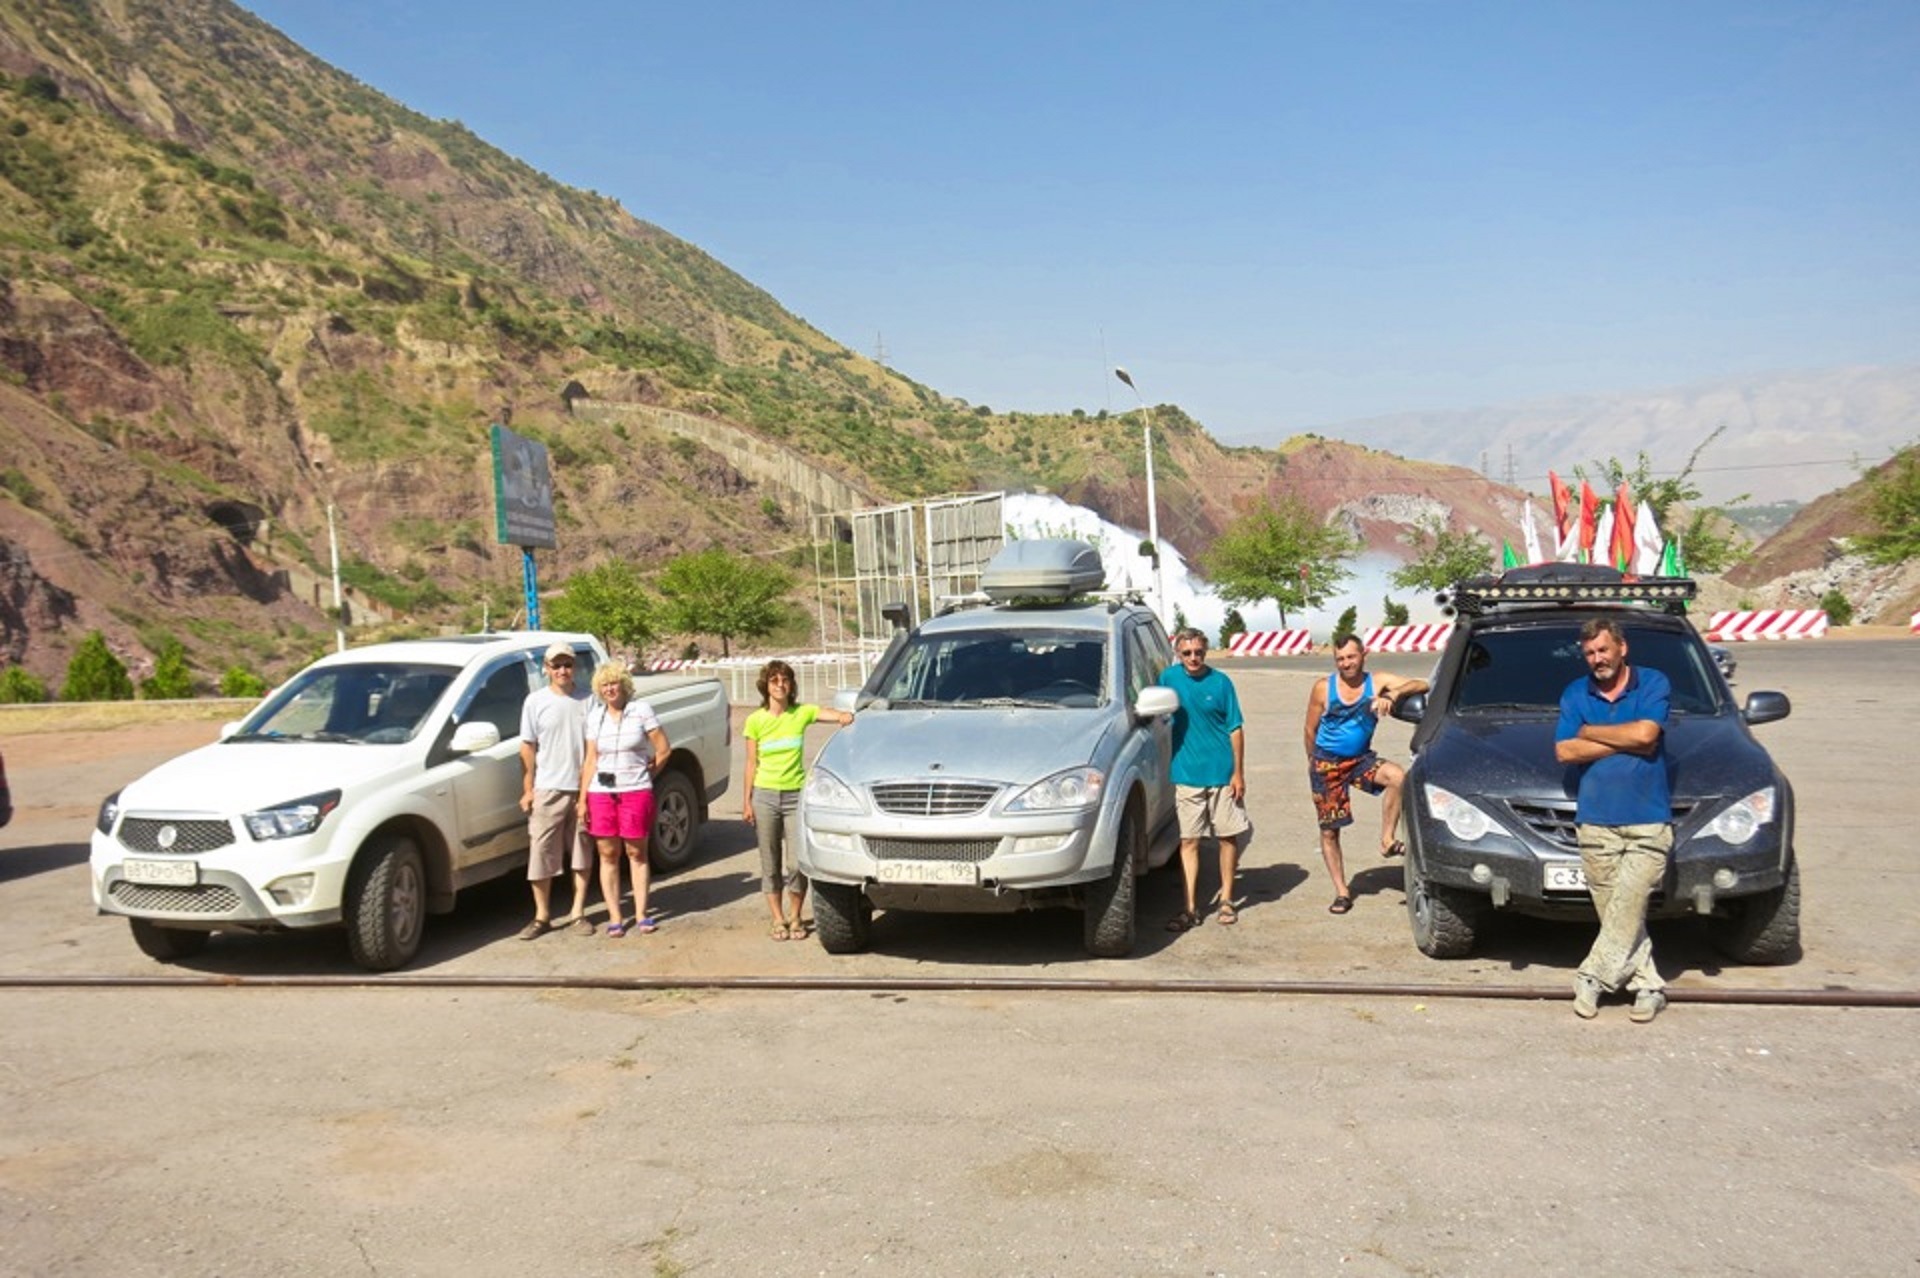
(897, 614)
(846, 700)
(1765, 707)
(470, 737)
(1411, 708)
(228, 729)
(1156, 703)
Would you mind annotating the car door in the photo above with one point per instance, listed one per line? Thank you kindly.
(490, 826)
(1145, 656)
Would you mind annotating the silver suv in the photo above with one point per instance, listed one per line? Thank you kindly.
(1010, 753)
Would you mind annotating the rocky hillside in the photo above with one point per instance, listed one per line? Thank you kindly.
(239, 288)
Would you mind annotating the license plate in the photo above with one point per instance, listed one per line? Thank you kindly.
(1565, 876)
(167, 873)
(929, 872)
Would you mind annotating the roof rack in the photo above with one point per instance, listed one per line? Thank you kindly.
(1564, 586)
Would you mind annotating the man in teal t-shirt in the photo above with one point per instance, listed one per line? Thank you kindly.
(1209, 773)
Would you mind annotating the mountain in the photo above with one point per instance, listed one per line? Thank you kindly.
(248, 303)
(1789, 437)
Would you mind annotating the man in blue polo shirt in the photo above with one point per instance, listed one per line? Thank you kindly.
(1613, 731)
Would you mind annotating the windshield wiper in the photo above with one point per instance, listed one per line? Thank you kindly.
(1017, 702)
(259, 736)
(336, 737)
(1480, 706)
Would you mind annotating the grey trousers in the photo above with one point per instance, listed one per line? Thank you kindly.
(775, 829)
(1624, 864)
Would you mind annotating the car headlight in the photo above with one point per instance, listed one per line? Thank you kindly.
(828, 793)
(301, 816)
(1463, 820)
(1074, 788)
(109, 813)
(1743, 819)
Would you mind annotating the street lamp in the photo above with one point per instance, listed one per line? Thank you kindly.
(1153, 508)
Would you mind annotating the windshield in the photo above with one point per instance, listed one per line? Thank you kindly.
(1040, 668)
(1528, 668)
(381, 703)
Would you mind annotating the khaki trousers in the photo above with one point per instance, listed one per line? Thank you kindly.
(1624, 864)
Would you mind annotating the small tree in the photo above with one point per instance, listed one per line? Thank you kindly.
(95, 674)
(1442, 557)
(1893, 504)
(1180, 621)
(1838, 610)
(239, 681)
(17, 687)
(607, 601)
(715, 592)
(1393, 614)
(1348, 624)
(170, 680)
(1280, 551)
(1230, 625)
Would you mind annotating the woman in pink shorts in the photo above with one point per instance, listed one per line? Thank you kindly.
(625, 747)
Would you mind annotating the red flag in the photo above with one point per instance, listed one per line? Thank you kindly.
(1562, 499)
(1620, 552)
(1589, 514)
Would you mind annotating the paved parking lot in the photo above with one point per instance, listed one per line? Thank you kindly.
(394, 1130)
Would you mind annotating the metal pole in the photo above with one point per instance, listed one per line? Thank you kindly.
(1153, 506)
(339, 617)
(530, 577)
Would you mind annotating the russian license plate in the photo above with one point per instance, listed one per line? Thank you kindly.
(944, 872)
(1565, 876)
(166, 873)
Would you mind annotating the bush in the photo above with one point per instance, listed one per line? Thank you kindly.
(238, 681)
(1393, 614)
(1230, 625)
(95, 674)
(170, 680)
(1839, 611)
(1348, 624)
(17, 687)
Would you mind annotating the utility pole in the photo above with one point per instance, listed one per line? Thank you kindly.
(1509, 465)
(880, 349)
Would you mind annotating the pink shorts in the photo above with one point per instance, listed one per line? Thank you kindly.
(625, 814)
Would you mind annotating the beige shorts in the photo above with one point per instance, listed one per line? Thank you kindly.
(552, 825)
(1210, 811)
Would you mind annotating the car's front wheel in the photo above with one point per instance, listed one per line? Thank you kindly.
(386, 909)
(1446, 921)
(842, 917)
(676, 821)
(1765, 928)
(1110, 901)
(167, 944)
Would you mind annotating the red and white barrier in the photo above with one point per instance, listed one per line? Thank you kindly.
(1427, 638)
(1770, 623)
(1271, 643)
(663, 664)
(1914, 625)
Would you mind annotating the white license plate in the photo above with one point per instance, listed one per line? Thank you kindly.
(1565, 876)
(168, 873)
(929, 872)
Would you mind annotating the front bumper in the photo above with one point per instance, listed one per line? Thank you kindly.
(954, 864)
(287, 883)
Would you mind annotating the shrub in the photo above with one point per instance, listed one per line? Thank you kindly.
(170, 680)
(1393, 614)
(239, 681)
(1349, 622)
(1230, 625)
(95, 674)
(1839, 611)
(17, 687)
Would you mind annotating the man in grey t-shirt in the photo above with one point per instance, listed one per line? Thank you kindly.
(552, 747)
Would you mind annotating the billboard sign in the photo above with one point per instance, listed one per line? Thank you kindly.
(522, 491)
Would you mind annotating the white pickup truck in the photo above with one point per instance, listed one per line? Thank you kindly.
(367, 791)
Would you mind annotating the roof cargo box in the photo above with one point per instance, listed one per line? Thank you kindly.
(1044, 568)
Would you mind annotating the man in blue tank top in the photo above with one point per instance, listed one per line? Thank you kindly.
(1612, 731)
(1341, 715)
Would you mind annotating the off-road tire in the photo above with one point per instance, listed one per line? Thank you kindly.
(167, 944)
(1109, 904)
(1765, 929)
(842, 917)
(386, 906)
(1446, 921)
(676, 821)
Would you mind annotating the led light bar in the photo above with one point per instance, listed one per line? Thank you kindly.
(1477, 596)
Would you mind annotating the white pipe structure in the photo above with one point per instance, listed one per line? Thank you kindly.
(1153, 507)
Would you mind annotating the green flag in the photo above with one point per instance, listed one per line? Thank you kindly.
(1507, 558)
(1669, 561)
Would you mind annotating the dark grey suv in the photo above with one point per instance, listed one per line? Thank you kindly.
(1490, 813)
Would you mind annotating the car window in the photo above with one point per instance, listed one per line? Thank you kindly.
(379, 703)
(499, 698)
(1528, 668)
(1037, 667)
(1143, 663)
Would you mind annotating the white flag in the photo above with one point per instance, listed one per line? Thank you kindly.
(1602, 535)
(1532, 538)
(1646, 542)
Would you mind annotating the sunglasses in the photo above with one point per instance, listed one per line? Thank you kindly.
(1193, 652)
(559, 665)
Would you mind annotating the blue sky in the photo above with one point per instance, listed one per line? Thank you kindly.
(1277, 216)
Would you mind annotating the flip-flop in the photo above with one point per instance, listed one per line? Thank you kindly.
(646, 925)
(1396, 848)
(1341, 904)
(616, 930)
(1184, 921)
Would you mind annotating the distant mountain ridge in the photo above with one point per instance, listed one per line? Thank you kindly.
(1791, 436)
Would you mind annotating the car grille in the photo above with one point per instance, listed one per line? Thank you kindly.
(932, 849)
(1554, 821)
(142, 834)
(208, 898)
(933, 798)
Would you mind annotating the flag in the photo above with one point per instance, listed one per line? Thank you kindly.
(1670, 561)
(1602, 543)
(1646, 542)
(1620, 545)
(1589, 513)
(1528, 535)
(1507, 558)
(1562, 516)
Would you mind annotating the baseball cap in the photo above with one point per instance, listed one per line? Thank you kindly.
(560, 650)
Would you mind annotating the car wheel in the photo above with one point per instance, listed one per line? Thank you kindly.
(676, 821)
(1110, 901)
(842, 917)
(386, 909)
(1763, 929)
(1445, 920)
(168, 944)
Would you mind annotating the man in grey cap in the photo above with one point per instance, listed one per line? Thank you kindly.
(552, 748)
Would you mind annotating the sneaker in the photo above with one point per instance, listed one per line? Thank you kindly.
(1647, 1005)
(1586, 997)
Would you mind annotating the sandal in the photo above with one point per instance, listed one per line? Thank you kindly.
(1184, 921)
(616, 930)
(645, 925)
(1228, 915)
(583, 926)
(535, 930)
(1396, 848)
(779, 932)
(1341, 904)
